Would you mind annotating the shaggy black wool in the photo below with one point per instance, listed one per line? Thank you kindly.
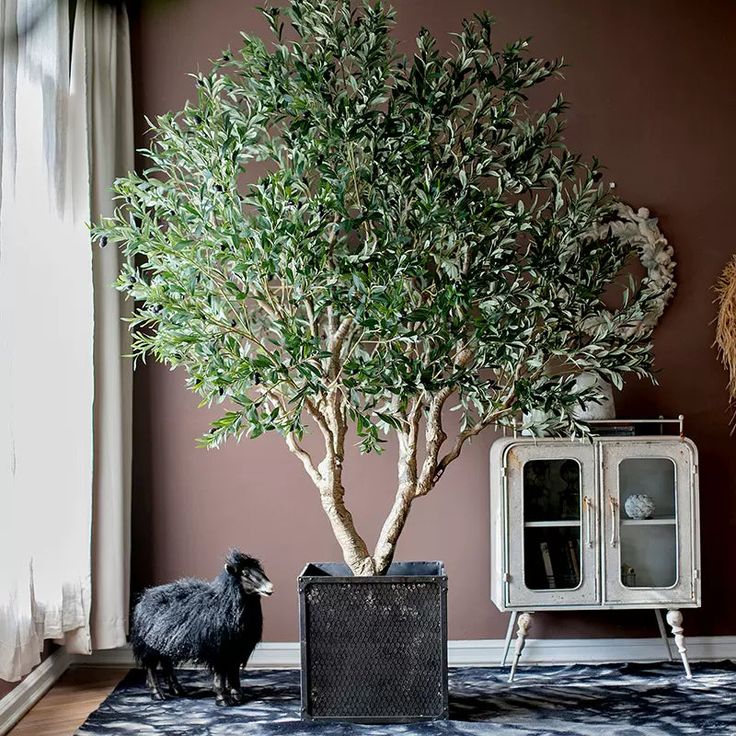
(578, 700)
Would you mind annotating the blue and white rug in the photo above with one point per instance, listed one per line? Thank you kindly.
(577, 700)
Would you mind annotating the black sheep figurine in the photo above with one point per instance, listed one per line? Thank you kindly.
(216, 624)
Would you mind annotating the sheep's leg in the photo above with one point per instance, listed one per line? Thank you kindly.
(171, 680)
(222, 694)
(233, 683)
(153, 684)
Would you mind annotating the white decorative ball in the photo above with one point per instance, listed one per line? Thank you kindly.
(639, 506)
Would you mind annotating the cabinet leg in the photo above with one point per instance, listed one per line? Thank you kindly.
(674, 619)
(509, 634)
(663, 634)
(525, 620)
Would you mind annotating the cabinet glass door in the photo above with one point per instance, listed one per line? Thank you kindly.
(648, 538)
(552, 524)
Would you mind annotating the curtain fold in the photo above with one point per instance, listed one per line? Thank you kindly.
(111, 147)
(65, 133)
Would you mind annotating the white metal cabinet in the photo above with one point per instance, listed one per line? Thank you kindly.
(561, 539)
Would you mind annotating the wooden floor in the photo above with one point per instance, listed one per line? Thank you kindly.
(66, 706)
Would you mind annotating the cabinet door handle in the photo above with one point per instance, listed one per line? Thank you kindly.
(588, 508)
(614, 509)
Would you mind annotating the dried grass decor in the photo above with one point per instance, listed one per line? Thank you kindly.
(726, 324)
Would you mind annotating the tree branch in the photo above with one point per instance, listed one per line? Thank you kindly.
(305, 457)
(434, 438)
(336, 343)
(310, 316)
(321, 420)
(274, 397)
(461, 439)
(405, 493)
(332, 492)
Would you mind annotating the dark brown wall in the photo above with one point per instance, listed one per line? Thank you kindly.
(6, 687)
(652, 94)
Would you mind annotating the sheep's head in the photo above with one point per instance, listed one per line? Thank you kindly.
(249, 573)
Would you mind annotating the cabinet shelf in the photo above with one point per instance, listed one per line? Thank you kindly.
(646, 522)
(551, 524)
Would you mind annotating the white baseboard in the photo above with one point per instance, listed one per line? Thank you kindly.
(488, 652)
(30, 690)
(268, 655)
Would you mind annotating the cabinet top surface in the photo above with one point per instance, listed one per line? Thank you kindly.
(504, 443)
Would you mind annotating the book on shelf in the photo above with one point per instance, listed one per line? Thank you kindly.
(574, 555)
(547, 560)
(568, 564)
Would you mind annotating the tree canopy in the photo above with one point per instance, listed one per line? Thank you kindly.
(333, 233)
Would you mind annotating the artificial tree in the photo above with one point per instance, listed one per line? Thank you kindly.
(333, 234)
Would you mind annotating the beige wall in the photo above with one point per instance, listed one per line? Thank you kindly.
(652, 94)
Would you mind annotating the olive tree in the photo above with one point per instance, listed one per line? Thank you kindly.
(336, 235)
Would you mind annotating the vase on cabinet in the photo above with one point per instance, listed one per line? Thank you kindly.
(592, 411)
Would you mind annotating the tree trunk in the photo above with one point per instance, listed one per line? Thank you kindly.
(354, 549)
(412, 484)
(392, 528)
(394, 524)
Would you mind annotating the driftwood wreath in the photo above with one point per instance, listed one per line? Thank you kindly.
(726, 324)
(641, 230)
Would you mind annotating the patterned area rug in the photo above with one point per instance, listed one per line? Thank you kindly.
(578, 700)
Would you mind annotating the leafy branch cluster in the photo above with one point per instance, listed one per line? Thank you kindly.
(333, 233)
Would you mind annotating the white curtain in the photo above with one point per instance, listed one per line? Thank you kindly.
(65, 132)
(107, 56)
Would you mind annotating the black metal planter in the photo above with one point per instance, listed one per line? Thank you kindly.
(374, 649)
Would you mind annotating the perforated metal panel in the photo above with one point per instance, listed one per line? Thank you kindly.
(374, 649)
